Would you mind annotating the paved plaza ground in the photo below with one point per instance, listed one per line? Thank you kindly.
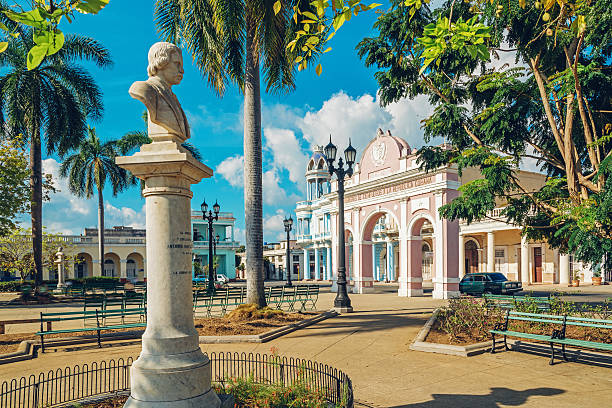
(372, 347)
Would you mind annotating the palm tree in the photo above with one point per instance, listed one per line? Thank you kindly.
(230, 41)
(92, 166)
(52, 102)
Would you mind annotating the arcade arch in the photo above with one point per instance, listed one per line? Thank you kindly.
(112, 263)
(83, 265)
(134, 267)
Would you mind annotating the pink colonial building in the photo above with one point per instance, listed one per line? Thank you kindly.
(394, 231)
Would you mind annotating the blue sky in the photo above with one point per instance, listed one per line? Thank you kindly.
(342, 101)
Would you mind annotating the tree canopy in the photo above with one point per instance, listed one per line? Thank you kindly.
(509, 81)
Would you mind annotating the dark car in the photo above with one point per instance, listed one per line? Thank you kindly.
(495, 283)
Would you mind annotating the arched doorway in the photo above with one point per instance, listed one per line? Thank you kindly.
(379, 228)
(134, 267)
(471, 257)
(111, 265)
(83, 265)
(427, 261)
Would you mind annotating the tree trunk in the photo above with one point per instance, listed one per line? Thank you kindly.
(101, 230)
(253, 212)
(36, 203)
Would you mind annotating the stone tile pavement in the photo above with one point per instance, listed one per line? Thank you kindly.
(372, 347)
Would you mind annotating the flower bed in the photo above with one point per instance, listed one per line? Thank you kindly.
(467, 320)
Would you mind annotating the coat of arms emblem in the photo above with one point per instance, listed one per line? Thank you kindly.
(379, 151)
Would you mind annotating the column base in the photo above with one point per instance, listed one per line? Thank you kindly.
(173, 381)
(343, 309)
(207, 400)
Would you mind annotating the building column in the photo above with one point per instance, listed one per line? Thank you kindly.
(564, 269)
(96, 267)
(461, 256)
(490, 252)
(403, 250)
(389, 274)
(524, 261)
(123, 270)
(328, 262)
(306, 264)
(375, 269)
(317, 274)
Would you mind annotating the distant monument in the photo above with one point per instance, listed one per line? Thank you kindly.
(59, 260)
(171, 370)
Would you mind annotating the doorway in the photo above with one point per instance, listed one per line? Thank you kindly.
(471, 257)
(537, 264)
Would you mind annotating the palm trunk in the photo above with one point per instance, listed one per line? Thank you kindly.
(253, 212)
(36, 204)
(101, 231)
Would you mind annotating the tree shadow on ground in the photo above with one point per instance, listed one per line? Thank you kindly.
(497, 396)
(367, 322)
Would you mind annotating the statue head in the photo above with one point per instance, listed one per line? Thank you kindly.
(166, 62)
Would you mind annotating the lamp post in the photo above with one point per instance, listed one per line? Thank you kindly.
(342, 303)
(210, 216)
(288, 222)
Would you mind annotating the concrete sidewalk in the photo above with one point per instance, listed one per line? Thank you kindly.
(371, 346)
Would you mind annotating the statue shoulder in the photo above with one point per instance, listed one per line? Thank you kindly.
(142, 90)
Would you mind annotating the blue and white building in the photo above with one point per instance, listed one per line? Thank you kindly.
(227, 246)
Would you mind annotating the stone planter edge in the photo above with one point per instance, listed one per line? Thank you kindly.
(419, 343)
(269, 335)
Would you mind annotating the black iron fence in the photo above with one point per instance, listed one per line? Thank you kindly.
(330, 382)
(70, 384)
(56, 388)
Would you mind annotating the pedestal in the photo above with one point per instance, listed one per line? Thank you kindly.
(171, 370)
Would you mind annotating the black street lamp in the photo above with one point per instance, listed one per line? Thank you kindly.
(288, 222)
(342, 303)
(210, 216)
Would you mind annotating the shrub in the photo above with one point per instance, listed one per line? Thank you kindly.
(13, 286)
(467, 319)
(251, 311)
(250, 394)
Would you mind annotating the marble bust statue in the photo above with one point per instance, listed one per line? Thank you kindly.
(166, 119)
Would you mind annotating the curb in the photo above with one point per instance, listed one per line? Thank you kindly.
(269, 335)
(420, 344)
(25, 351)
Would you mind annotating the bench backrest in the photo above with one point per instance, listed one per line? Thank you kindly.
(535, 317)
(589, 322)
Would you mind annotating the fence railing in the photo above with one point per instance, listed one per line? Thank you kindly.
(332, 383)
(62, 386)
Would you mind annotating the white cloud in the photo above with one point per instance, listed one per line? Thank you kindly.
(274, 229)
(345, 117)
(273, 193)
(286, 152)
(124, 216)
(232, 169)
(68, 214)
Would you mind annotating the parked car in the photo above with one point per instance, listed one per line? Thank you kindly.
(200, 279)
(222, 278)
(495, 283)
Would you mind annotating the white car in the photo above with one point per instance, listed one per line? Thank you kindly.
(222, 278)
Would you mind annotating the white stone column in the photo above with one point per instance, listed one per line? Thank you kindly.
(564, 269)
(403, 249)
(317, 274)
(524, 261)
(461, 256)
(60, 268)
(171, 370)
(306, 264)
(490, 252)
(123, 270)
(389, 274)
(328, 262)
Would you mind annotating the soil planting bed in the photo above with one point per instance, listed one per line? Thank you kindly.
(226, 326)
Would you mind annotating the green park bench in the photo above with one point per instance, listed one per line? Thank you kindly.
(558, 331)
(119, 301)
(510, 302)
(93, 320)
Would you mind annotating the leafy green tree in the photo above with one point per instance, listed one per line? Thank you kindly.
(16, 251)
(92, 167)
(231, 41)
(14, 184)
(50, 102)
(43, 18)
(552, 106)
